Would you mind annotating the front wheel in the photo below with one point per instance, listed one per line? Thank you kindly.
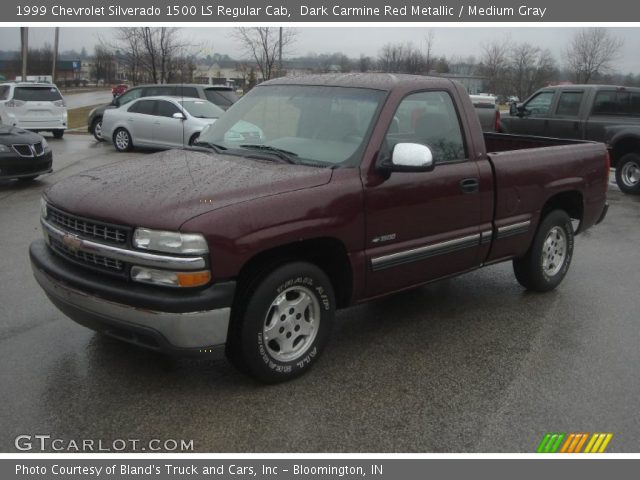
(546, 263)
(96, 129)
(628, 173)
(285, 323)
(122, 140)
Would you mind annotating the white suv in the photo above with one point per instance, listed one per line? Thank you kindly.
(33, 106)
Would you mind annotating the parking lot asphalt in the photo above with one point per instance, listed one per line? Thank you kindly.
(471, 364)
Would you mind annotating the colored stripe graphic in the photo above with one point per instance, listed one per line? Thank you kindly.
(555, 442)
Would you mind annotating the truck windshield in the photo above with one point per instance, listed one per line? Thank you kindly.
(314, 124)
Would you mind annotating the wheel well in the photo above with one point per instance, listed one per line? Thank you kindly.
(624, 146)
(327, 254)
(570, 202)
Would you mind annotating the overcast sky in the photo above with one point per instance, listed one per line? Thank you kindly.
(353, 41)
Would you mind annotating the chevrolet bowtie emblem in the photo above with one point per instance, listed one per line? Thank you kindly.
(72, 241)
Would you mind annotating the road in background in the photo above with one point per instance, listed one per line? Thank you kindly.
(85, 99)
(471, 364)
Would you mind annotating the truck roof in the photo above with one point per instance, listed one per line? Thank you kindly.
(378, 81)
(592, 86)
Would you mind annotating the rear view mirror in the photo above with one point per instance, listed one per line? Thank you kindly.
(409, 157)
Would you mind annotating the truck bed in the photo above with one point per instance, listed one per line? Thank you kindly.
(501, 142)
(527, 169)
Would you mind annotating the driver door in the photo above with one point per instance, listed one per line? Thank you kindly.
(425, 225)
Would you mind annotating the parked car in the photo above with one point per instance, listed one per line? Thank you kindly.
(23, 155)
(252, 246)
(219, 95)
(603, 113)
(158, 122)
(487, 111)
(38, 107)
(118, 90)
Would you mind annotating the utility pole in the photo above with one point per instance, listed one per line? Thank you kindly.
(55, 55)
(280, 54)
(24, 40)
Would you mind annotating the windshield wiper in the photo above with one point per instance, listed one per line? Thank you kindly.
(280, 153)
(213, 146)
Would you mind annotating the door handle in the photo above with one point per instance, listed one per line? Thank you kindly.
(470, 185)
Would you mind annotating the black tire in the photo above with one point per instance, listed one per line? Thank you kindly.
(122, 140)
(96, 129)
(194, 138)
(299, 333)
(546, 263)
(58, 134)
(628, 173)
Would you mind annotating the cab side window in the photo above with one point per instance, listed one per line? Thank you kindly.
(159, 91)
(429, 118)
(569, 104)
(540, 104)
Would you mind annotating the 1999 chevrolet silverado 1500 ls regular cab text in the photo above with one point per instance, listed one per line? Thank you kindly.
(352, 187)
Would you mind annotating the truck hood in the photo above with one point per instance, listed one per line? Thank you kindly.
(166, 189)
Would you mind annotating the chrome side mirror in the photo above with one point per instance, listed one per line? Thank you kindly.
(179, 116)
(409, 157)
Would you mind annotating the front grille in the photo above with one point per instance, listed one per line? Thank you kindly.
(38, 148)
(88, 228)
(85, 258)
(23, 150)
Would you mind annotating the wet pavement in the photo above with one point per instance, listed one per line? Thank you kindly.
(471, 364)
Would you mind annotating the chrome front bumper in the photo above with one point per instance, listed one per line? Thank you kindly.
(190, 332)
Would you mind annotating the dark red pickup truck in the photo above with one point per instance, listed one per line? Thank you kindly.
(308, 195)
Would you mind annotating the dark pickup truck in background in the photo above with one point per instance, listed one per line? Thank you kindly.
(360, 186)
(601, 113)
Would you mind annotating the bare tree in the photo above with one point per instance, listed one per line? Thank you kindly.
(365, 63)
(592, 52)
(530, 68)
(494, 64)
(390, 58)
(150, 53)
(103, 65)
(429, 60)
(263, 45)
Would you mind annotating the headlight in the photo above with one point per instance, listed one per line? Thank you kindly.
(45, 144)
(4, 149)
(43, 208)
(167, 278)
(170, 242)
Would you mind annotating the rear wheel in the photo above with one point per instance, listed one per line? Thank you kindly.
(628, 173)
(283, 324)
(58, 133)
(122, 140)
(96, 129)
(546, 263)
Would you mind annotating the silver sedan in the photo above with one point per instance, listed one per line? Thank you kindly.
(158, 122)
